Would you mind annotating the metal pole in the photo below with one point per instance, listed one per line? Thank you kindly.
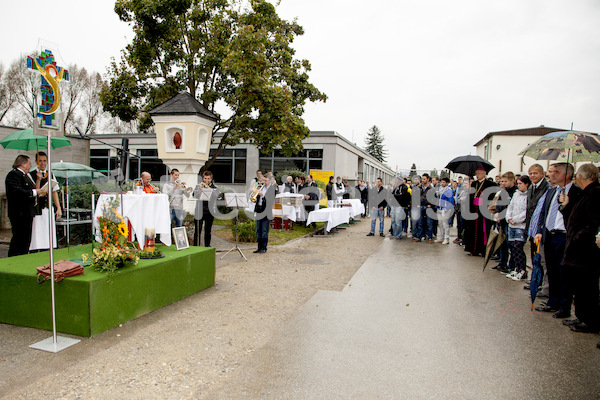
(51, 241)
(68, 213)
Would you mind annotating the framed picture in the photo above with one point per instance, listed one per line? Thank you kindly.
(180, 238)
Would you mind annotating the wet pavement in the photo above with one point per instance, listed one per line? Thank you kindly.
(421, 321)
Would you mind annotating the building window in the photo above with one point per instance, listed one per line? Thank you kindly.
(147, 161)
(304, 161)
(99, 159)
(229, 166)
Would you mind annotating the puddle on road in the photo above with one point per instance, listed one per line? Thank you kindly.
(314, 261)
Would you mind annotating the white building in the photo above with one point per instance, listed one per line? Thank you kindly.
(236, 166)
(502, 149)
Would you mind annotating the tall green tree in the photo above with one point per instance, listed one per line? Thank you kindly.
(374, 143)
(413, 170)
(237, 61)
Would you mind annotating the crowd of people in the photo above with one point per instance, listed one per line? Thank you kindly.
(555, 212)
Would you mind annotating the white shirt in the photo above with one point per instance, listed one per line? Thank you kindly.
(559, 222)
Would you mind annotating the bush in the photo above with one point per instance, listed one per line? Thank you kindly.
(222, 208)
(246, 231)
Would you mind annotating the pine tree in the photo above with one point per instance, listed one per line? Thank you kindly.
(413, 170)
(374, 144)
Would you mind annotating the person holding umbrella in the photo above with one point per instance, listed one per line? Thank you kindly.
(40, 228)
(552, 232)
(477, 230)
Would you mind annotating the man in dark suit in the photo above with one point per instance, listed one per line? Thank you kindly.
(311, 192)
(581, 252)
(263, 212)
(539, 186)
(552, 232)
(21, 196)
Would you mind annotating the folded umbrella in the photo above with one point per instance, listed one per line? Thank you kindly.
(536, 274)
(494, 242)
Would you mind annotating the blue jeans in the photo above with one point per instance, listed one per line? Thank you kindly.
(374, 214)
(262, 233)
(177, 217)
(398, 219)
(405, 220)
(424, 225)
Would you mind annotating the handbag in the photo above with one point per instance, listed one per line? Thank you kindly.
(62, 269)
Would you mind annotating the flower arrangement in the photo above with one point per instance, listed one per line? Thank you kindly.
(114, 251)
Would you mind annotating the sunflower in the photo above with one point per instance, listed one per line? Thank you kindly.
(123, 229)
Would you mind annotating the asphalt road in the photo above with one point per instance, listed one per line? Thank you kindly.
(421, 324)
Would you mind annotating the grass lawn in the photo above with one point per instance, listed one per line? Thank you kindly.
(275, 235)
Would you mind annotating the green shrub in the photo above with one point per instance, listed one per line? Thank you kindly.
(246, 231)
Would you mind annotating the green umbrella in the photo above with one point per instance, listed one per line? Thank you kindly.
(573, 146)
(26, 140)
(76, 173)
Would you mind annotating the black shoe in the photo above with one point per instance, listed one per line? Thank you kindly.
(527, 287)
(370, 234)
(381, 234)
(257, 251)
(262, 251)
(598, 345)
(499, 266)
(561, 314)
(542, 296)
(569, 322)
(505, 271)
(584, 328)
(546, 308)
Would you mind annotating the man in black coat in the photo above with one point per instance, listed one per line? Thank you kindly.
(581, 253)
(553, 233)
(21, 196)
(311, 192)
(263, 212)
(329, 192)
(477, 230)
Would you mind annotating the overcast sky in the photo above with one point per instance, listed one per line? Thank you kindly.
(435, 76)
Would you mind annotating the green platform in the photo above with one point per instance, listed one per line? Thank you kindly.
(89, 304)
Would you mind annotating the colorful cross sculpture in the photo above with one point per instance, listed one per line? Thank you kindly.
(46, 64)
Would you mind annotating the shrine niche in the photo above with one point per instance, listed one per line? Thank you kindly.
(174, 139)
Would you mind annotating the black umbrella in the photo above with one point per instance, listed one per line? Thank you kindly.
(468, 165)
(536, 274)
